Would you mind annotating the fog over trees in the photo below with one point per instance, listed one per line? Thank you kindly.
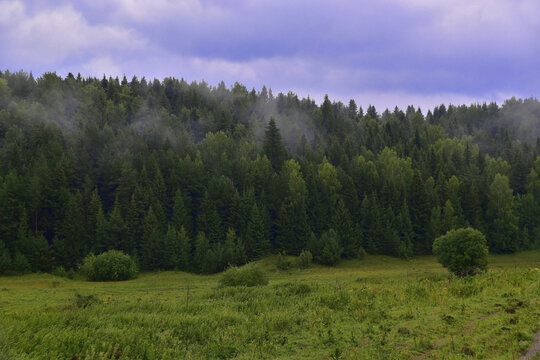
(195, 177)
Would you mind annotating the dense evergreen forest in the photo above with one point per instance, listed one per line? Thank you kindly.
(195, 177)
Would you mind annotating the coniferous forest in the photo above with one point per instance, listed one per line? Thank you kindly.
(195, 177)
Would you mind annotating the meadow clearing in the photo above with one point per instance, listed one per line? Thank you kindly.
(376, 308)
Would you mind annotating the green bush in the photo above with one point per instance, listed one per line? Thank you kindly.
(463, 251)
(304, 259)
(331, 252)
(248, 275)
(362, 253)
(5, 259)
(20, 264)
(60, 271)
(112, 265)
(283, 263)
(85, 301)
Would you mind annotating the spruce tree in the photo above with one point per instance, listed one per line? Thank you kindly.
(273, 146)
(419, 215)
(133, 222)
(449, 219)
(116, 231)
(5, 258)
(185, 250)
(199, 255)
(344, 227)
(256, 235)
(172, 249)
(181, 217)
(152, 246)
(503, 220)
(229, 257)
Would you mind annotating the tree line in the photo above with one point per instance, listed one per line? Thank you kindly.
(196, 177)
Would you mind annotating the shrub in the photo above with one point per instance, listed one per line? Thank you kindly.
(84, 301)
(361, 253)
(283, 263)
(5, 259)
(248, 275)
(112, 265)
(331, 252)
(304, 259)
(463, 251)
(60, 271)
(20, 264)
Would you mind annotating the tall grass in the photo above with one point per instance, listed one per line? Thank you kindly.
(371, 309)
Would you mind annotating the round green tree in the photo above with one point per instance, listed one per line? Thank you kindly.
(463, 251)
(112, 265)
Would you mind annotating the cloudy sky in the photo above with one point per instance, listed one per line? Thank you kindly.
(382, 52)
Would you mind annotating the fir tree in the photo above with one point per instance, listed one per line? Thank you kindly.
(273, 146)
(256, 235)
(152, 247)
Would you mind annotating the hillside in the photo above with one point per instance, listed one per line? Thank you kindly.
(195, 177)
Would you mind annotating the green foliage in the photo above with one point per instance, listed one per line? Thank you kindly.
(361, 253)
(331, 250)
(503, 230)
(304, 259)
(283, 263)
(135, 162)
(171, 315)
(84, 301)
(273, 145)
(20, 264)
(463, 251)
(112, 265)
(248, 275)
(60, 271)
(5, 258)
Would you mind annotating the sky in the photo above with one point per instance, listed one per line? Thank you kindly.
(382, 52)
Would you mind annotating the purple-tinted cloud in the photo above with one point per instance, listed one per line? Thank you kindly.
(386, 52)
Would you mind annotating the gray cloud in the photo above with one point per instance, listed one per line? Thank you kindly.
(389, 50)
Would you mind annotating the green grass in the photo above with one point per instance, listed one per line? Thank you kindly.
(377, 308)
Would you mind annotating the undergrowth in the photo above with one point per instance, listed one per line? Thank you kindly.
(371, 309)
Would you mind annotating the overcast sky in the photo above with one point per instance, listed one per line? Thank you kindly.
(386, 52)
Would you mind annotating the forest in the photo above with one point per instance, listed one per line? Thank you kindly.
(197, 177)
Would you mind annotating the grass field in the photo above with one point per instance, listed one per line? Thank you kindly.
(377, 308)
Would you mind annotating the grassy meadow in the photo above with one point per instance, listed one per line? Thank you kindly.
(376, 308)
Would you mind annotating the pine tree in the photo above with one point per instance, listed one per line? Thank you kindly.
(73, 232)
(343, 225)
(100, 239)
(133, 222)
(372, 223)
(273, 146)
(405, 231)
(34, 248)
(449, 219)
(5, 258)
(256, 235)
(116, 231)
(181, 217)
(200, 253)
(229, 257)
(419, 216)
(209, 221)
(172, 249)
(292, 228)
(152, 247)
(453, 192)
(501, 213)
(185, 250)
(94, 207)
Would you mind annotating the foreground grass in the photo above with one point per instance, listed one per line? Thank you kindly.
(377, 308)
